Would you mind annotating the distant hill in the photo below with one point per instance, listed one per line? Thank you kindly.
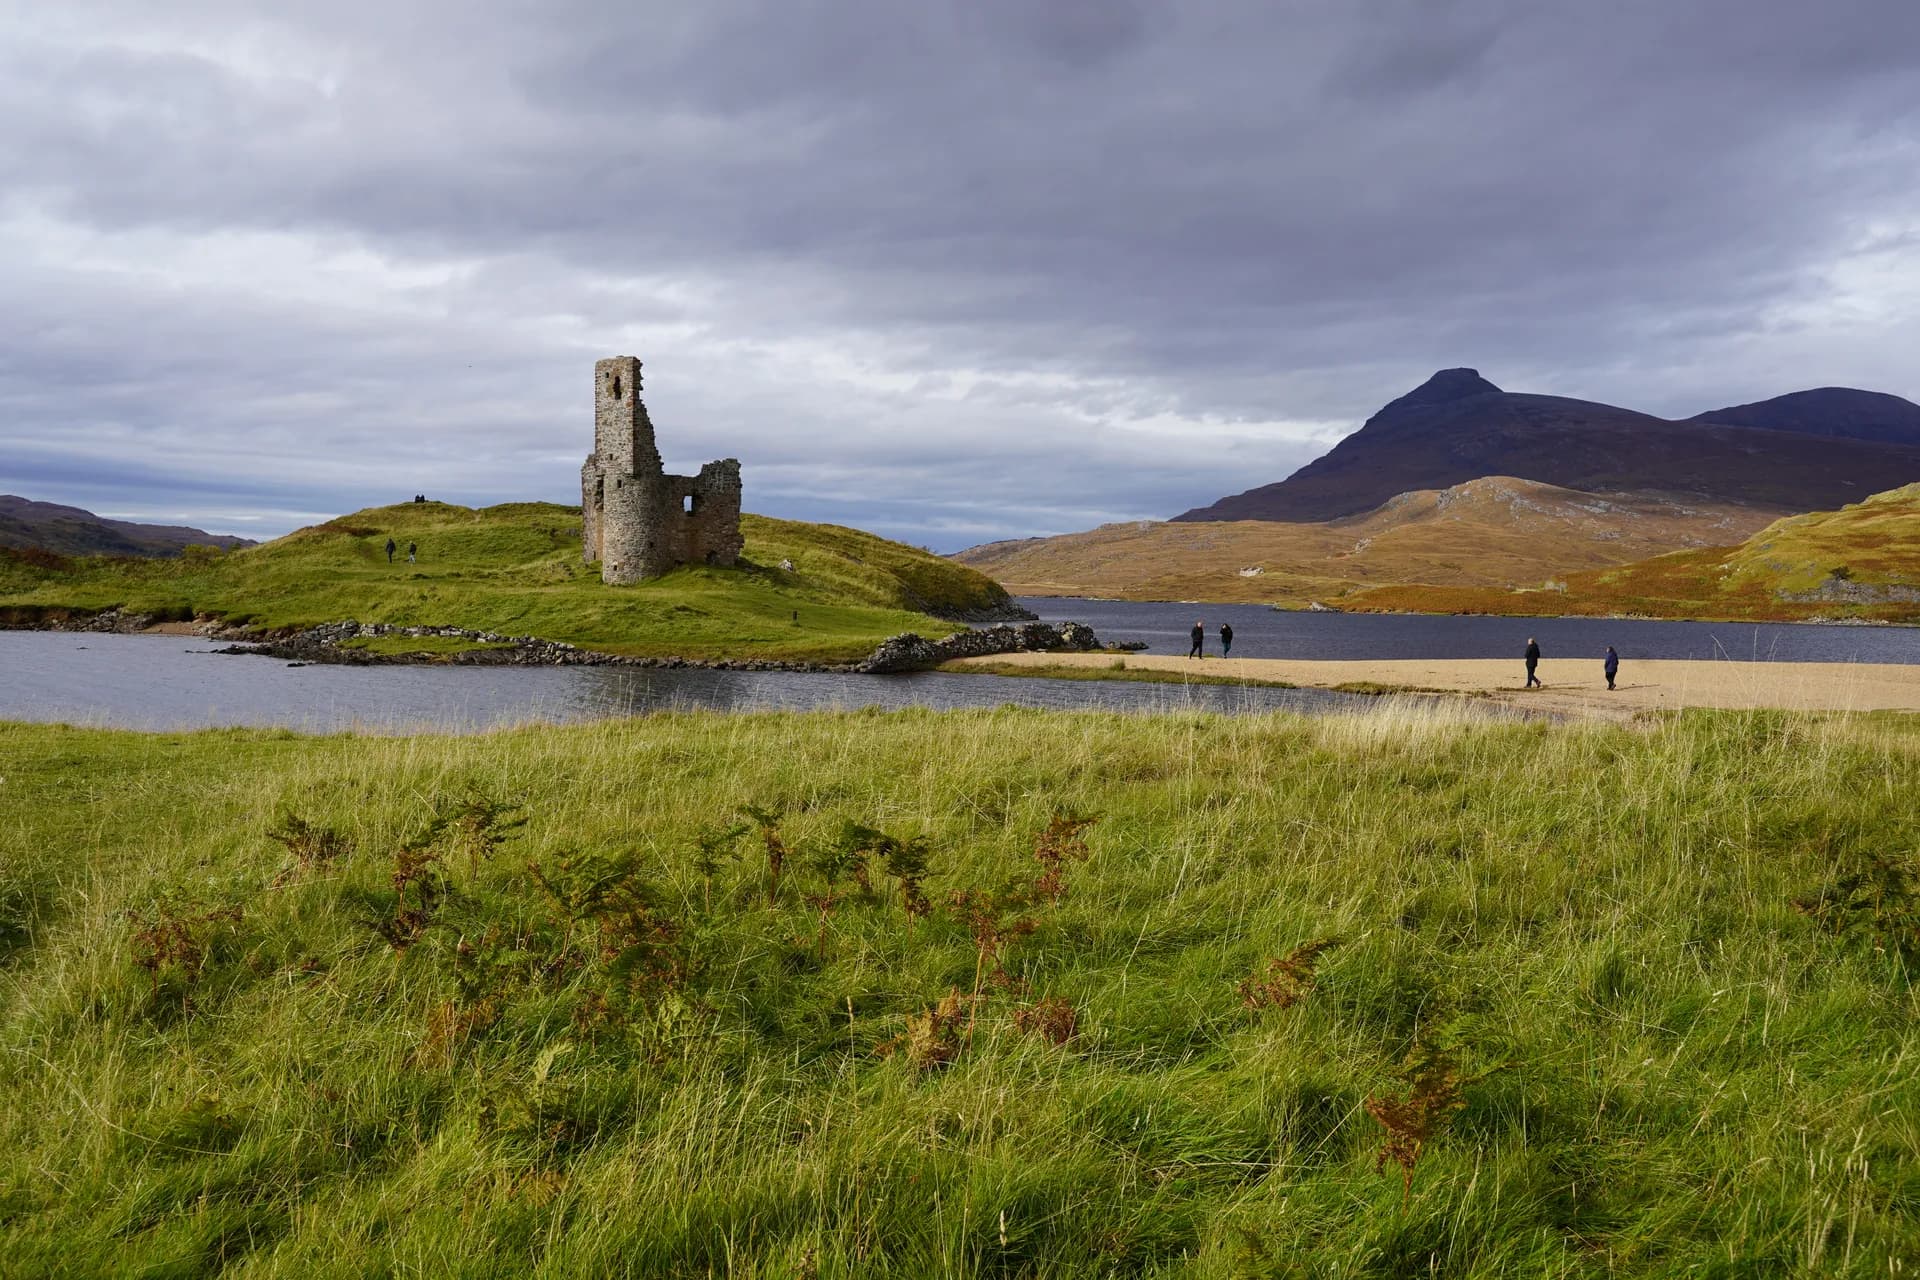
(1862, 561)
(1817, 449)
(70, 531)
(1496, 531)
(516, 569)
(1839, 412)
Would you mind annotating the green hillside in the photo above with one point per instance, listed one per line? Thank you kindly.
(516, 569)
(1871, 545)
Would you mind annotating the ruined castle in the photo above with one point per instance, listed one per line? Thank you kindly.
(638, 521)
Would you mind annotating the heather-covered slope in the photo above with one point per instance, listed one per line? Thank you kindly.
(1496, 531)
(1861, 561)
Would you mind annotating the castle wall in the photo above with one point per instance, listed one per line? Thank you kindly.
(637, 521)
(703, 514)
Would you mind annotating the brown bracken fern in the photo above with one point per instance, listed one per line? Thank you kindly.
(1061, 843)
(1434, 1083)
(1288, 979)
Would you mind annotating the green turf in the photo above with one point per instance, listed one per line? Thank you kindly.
(516, 569)
(1670, 968)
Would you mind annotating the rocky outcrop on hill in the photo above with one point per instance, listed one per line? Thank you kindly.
(1843, 591)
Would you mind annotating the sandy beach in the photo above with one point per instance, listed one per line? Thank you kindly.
(1572, 685)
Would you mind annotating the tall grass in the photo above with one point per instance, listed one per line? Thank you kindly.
(1667, 1062)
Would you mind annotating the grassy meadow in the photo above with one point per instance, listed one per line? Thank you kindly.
(516, 569)
(1392, 994)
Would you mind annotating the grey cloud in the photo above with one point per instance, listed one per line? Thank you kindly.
(1098, 215)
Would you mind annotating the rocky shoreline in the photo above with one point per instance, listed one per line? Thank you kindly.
(333, 643)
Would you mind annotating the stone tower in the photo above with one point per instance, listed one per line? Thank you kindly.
(637, 521)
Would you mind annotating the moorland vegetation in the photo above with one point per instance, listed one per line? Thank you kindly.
(1860, 562)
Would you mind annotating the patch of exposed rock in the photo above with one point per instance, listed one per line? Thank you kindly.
(1846, 591)
(910, 652)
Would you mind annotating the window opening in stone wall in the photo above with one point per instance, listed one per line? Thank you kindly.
(688, 505)
(616, 386)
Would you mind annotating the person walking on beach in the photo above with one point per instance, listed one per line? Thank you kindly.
(1199, 638)
(1611, 666)
(390, 550)
(413, 549)
(1533, 661)
(1226, 639)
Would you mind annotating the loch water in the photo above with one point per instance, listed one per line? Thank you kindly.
(177, 683)
(1263, 632)
(166, 683)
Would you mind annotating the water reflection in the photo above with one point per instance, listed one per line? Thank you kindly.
(170, 683)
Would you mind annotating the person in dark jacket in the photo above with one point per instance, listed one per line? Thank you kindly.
(390, 550)
(1199, 637)
(1533, 661)
(413, 549)
(1611, 666)
(1226, 639)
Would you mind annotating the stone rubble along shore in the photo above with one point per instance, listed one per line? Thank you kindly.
(908, 652)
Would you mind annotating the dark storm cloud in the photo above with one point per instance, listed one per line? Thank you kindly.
(955, 272)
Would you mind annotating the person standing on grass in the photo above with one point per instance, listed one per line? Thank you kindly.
(390, 550)
(1199, 637)
(413, 549)
(1533, 661)
(1226, 638)
(1611, 666)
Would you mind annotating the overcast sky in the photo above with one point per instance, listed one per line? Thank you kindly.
(951, 272)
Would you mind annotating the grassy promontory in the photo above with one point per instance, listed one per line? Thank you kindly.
(515, 569)
(1635, 1003)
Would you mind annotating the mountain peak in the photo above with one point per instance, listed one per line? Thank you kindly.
(1446, 385)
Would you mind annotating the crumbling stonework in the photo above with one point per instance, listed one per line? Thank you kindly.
(638, 522)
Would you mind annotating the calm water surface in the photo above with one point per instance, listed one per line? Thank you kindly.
(170, 683)
(156, 682)
(1260, 632)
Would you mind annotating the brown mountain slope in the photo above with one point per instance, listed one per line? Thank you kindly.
(1458, 426)
(1496, 531)
(71, 531)
(1862, 561)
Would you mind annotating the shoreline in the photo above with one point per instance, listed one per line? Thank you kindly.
(1573, 686)
(345, 643)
